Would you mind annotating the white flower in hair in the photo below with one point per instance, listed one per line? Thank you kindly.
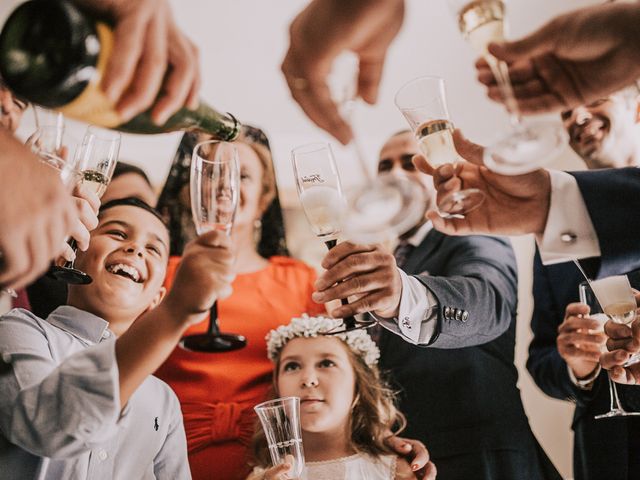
(358, 341)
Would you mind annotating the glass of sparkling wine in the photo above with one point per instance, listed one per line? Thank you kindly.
(423, 103)
(96, 158)
(280, 419)
(526, 147)
(618, 302)
(323, 202)
(215, 191)
(379, 207)
(588, 297)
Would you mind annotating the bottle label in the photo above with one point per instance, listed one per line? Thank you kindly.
(92, 106)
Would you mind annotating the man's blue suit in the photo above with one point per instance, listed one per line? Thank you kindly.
(612, 197)
(460, 394)
(603, 449)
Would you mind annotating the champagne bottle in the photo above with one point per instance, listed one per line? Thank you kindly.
(54, 54)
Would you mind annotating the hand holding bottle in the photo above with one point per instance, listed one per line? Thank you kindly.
(154, 57)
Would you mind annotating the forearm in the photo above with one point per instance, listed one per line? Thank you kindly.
(472, 310)
(148, 343)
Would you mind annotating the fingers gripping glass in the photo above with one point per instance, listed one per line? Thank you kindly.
(616, 297)
(323, 202)
(588, 297)
(424, 105)
(96, 159)
(215, 189)
(526, 147)
(47, 143)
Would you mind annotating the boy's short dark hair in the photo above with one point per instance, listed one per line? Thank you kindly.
(124, 168)
(132, 202)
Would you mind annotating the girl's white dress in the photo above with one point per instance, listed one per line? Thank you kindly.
(355, 467)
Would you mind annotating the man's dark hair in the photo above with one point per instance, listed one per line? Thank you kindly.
(123, 168)
(132, 202)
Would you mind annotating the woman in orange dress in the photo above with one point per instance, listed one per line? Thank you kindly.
(217, 391)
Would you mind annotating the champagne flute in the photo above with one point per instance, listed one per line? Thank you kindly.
(280, 420)
(381, 206)
(215, 188)
(618, 302)
(423, 103)
(588, 297)
(321, 197)
(526, 147)
(96, 159)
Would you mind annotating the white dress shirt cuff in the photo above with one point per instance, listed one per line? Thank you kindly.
(416, 321)
(569, 233)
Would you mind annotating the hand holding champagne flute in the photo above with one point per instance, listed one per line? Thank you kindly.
(526, 147)
(423, 103)
(320, 193)
(215, 189)
(95, 159)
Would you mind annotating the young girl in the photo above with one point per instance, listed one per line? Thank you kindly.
(346, 411)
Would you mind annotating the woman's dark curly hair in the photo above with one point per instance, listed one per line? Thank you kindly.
(174, 199)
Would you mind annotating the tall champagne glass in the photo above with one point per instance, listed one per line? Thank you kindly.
(215, 189)
(618, 302)
(321, 197)
(423, 103)
(96, 159)
(588, 297)
(526, 147)
(380, 206)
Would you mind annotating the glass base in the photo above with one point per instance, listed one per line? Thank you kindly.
(349, 327)
(526, 148)
(390, 204)
(617, 413)
(225, 342)
(71, 276)
(457, 204)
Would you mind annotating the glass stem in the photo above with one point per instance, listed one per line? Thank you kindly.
(213, 329)
(615, 400)
(74, 246)
(501, 72)
(347, 110)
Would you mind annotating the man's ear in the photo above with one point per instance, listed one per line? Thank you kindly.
(157, 299)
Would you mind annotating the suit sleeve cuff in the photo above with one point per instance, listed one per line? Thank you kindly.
(569, 233)
(418, 312)
(584, 383)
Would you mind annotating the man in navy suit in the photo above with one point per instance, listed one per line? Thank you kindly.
(457, 296)
(563, 357)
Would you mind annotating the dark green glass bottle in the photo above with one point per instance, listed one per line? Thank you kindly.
(53, 54)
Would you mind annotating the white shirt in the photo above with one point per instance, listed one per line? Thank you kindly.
(418, 309)
(569, 233)
(60, 412)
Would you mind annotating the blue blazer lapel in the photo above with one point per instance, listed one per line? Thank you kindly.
(420, 255)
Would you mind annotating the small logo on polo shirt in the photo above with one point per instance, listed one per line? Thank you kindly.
(155, 424)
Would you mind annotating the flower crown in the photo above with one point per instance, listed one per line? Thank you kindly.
(358, 341)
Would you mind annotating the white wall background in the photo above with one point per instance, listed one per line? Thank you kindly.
(242, 43)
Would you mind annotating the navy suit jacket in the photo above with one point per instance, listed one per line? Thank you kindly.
(601, 447)
(609, 195)
(459, 394)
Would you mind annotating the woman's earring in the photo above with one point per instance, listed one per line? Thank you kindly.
(257, 230)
